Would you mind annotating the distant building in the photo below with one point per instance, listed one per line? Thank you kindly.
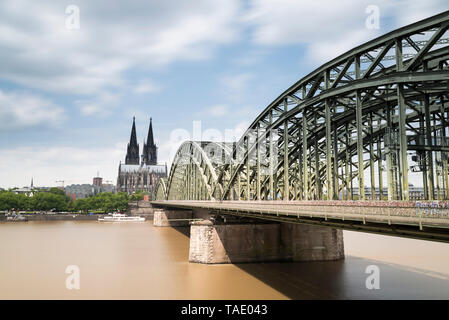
(25, 190)
(98, 181)
(136, 175)
(81, 191)
(108, 187)
(28, 190)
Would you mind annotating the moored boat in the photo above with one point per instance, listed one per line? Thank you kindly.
(16, 218)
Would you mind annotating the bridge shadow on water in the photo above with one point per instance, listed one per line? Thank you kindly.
(345, 279)
(183, 230)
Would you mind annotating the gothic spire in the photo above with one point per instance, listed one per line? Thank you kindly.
(149, 148)
(150, 140)
(133, 139)
(132, 154)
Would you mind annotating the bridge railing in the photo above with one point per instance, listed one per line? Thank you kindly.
(406, 209)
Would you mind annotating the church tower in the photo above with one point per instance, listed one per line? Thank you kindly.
(132, 154)
(149, 148)
(141, 174)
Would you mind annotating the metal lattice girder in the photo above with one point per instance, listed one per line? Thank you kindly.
(161, 189)
(193, 174)
(327, 134)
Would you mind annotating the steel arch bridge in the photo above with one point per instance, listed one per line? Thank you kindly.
(375, 113)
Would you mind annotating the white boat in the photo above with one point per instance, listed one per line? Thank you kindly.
(118, 217)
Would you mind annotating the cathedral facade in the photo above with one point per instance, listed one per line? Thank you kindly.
(140, 173)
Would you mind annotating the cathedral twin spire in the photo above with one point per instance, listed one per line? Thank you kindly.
(149, 148)
(132, 154)
(149, 155)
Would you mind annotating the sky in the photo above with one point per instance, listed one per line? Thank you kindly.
(74, 73)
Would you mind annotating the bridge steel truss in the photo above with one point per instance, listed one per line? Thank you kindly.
(380, 107)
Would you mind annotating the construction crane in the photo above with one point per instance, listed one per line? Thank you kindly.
(61, 181)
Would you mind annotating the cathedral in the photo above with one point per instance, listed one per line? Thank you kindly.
(140, 172)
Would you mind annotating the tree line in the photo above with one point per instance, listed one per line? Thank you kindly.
(55, 199)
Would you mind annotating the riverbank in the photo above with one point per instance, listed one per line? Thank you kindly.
(67, 217)
(56, 217)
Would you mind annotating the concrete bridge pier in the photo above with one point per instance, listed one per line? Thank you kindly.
(141, 208)
(232, 243)
(311, 243)
(262, 242)
(171, 217)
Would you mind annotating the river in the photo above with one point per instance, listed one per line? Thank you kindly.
(138, 261)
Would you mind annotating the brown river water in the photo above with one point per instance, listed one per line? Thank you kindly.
(138, 261)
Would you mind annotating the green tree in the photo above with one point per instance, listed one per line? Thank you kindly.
(105, 202)
(81, 205)
(57, 191)
(138, 196)
(10, 200)
(48, 201)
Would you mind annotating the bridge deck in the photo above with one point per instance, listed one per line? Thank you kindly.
(427, 221)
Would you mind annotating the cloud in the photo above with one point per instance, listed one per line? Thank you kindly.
(100, 105)
(49, 164)
(328, 29)
(20, 110)
(167, 150)
(217, 110)
(289, 22)
(251, 57)
(217, 115)
(236, 133)
(42, 53)
(319, 52)
(235, 87)
(146, 87)
(411, 11)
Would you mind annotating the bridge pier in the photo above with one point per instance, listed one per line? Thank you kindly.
(311, 243)
(171, 218)
(263, 242)
(141, 208)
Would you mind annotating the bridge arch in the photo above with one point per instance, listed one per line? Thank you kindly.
(193, 174)
(161, 189)
(380, 107)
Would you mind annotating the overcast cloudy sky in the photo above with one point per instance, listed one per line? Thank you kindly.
(67, 96)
